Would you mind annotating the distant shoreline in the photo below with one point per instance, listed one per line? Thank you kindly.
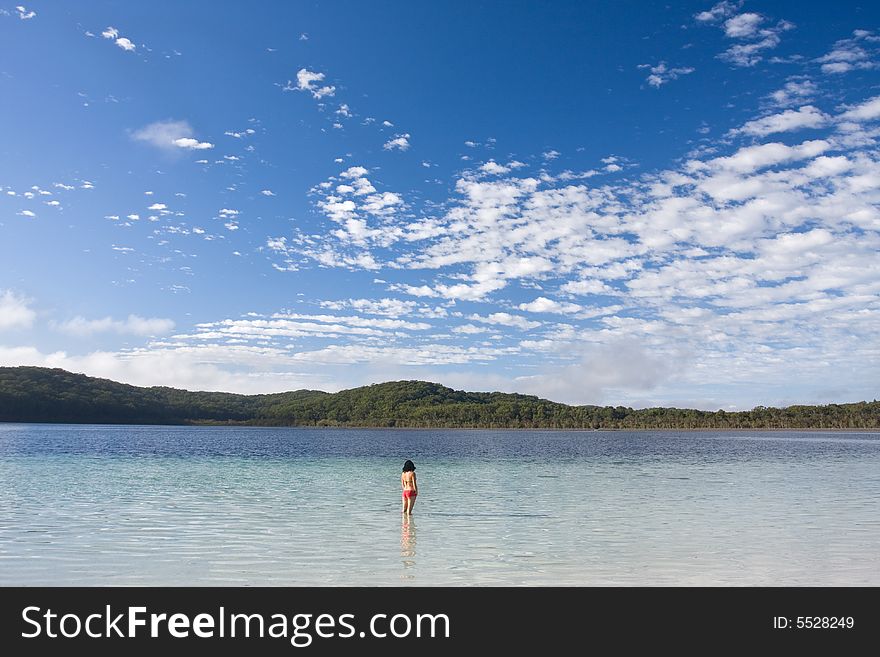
(205, 425)
(43, 395)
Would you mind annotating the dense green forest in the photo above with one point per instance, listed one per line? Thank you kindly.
(35, 394)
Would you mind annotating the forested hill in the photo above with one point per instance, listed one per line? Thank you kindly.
(35, 394)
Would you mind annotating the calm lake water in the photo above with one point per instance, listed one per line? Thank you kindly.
(120, 505)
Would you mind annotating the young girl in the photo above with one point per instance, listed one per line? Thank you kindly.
(410, 487)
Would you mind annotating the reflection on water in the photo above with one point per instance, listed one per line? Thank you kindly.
(408, 542)
(87, 505)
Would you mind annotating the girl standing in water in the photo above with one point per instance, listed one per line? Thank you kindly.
(410, 487)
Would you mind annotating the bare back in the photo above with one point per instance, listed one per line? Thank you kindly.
(408, 481)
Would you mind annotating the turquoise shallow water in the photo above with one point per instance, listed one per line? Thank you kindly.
(120, 505)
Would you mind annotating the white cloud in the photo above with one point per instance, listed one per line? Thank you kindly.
(399, 142)
(26, 213)
(158, 206)
(826, 167)
(351, 321)
(241, 134)
(254, 369)
(738, 268)
(866, 111)
(414, 290)
(545, 305)
(385, 306)
(600, 372)
(751, 158)
(787, 121)
(15, 311)
(132, 325)
(125, 44)
(307, 80)
(717, 12)
(585, 287)
(24, 14)
(749, 54)
(170, 135)
(267, 192)
(794, 92)
(493, 168)
(470, 329)
(746, 28)
(661, 73)
(743, 26)
(192, 144)
(381, 204)
(505, 319)
(354, 172)
(856, 53)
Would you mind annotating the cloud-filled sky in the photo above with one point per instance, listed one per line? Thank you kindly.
(597, 203)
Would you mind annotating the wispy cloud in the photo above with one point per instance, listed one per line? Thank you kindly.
(15, 311)
(505, 319)
(728, 263)
(856, 53)
(132, 325)
(660, 74)
(171, 136)
(719, 11)
(787, 121)
(754, 37)
(112, 34)
(794, 92)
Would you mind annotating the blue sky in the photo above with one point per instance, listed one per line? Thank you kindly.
(608, 203)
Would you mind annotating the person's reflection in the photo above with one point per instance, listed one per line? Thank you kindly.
(408, 541)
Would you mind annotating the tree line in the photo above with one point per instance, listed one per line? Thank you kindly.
(35, 394)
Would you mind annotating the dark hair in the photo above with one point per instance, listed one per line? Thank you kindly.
(409, 466)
